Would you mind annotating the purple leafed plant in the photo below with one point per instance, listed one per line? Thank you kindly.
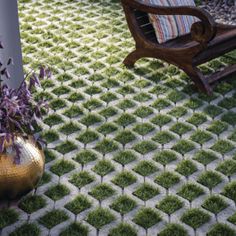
(19, 112)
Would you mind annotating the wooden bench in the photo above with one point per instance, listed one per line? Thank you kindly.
(206, 41)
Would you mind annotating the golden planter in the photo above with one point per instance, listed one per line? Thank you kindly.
(19, 179)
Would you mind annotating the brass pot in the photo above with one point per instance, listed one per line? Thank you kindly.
(19, 179)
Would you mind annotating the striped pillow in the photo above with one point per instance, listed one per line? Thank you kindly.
(171, 26)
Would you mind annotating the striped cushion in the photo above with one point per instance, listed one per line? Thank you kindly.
(171, 26)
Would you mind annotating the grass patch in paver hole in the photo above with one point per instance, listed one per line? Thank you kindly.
(103, 167)
(108, 97)
(78, 84)
(75, 97)
(8, 216)
(49, 155)
(57, 104)
(229, 117)
(205, 157)
(173, 229)
(92, 90)
(180, 128)
(213, 111)
(87, 136)
(73, 111)
(123, 229)
(53, 218)
(193, 103)
(227, 167)
(124, 179)
(79, 204)
(107, 128)
(209, 179)
(125, 136)
(75, 229)
(147, 217)
(170, 204)
(143, 128)
(146, 191)
(220, 229)
(53, 120)
(102, 191)
(145, 168)
(106, 146)
(195, 218)
(197, 119)
(164, 157)
(110, 83)
(126, 104)
(69, 128)
(127, 89)
(92, 104)
(232, 219)
(222, 146)
(64, 77)
(123, 204)
(228, 103)
(85, 156)
(186, 168)
(50, 136)
(201, 136)
(141, 83)
(125, 119)
(108, 112)
(46, 178)
(27, 229)
(32, 203)
(163, 137)
(175, 96)
(61, 90)
(217, 127)
(143, 112)
(100, 217)
(161, 103)
(57, 192)
(230, 191)
(159, 89)
(142, 97)
(161, 120)
(183, 146)
(125, 157)
(47, 84)
(178, 112)
(233, 136)
(62, 167)
(167, 179)
(145, 147)
(214, 204)
(81, 179)
(190, 191)
(90, 119)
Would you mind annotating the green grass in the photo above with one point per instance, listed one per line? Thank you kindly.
(147, 217)
(145, 147)
(183, 146)
(186, 168)
(123, 229)
(209, 179)
(190, 191)
(214, 204)
(88, 136)
(205, 157)
(230, 190)
(220, 229)
(8, 216)
(124, 179)
(165, 157)
(181, 128)
(32, 203)
(227, 167)
(57, 192)
(170, 204)
(145, 168)
(103, 167)
(124, 137)
(62, 167)
(81, 179)
(100, 217)
(123, 204)
(26, 229)
(163, 137)
(146, 191)
(195, 218)
(102, 191)
(167, 179)
(66, 147)
(85, 156)
(53, 218)
(106, 146)
(173, 229)
(125, 157)
(75, 229)
(79, 204)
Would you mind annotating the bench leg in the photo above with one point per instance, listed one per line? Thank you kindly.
(133, 57)
(199, 79)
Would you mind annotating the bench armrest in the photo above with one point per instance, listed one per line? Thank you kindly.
(202, 31)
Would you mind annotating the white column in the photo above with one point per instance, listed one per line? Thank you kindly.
(10, 38)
